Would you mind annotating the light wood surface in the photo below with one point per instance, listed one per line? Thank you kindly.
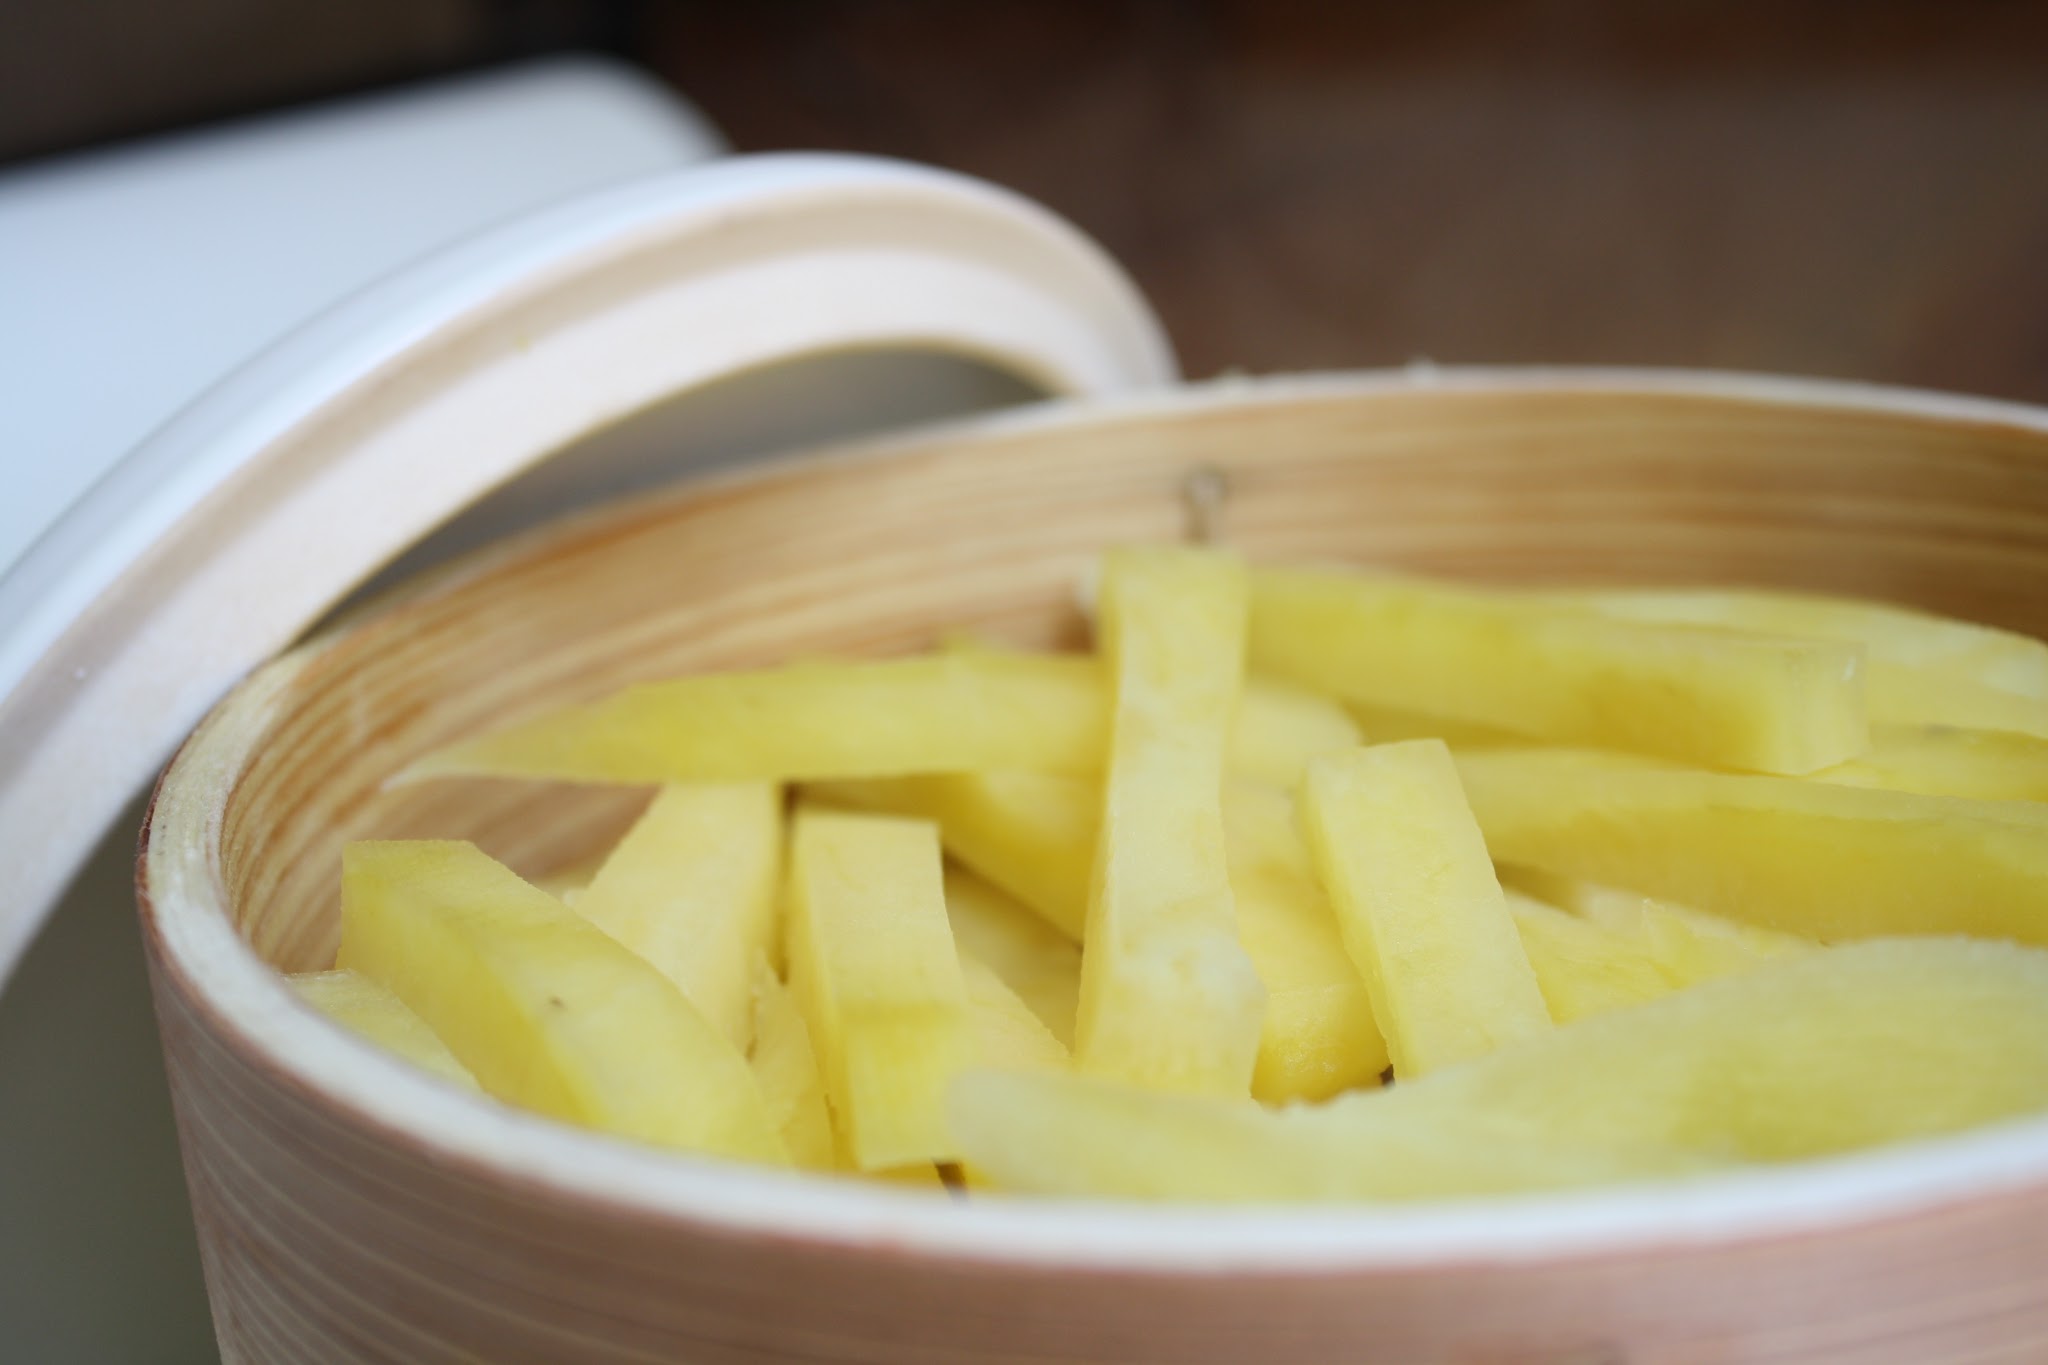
(350, 1210)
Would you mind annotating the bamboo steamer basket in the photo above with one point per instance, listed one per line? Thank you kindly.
(351, 1209)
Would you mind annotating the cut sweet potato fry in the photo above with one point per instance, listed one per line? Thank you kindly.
(1902, 697)
(1168, 996)
(1152, 922)
(1806, 858)
(1011, 1036)
(1811, 1055)
(1942, 760)
(940, 713)
(692, 888)
(1279, 729)
(1584, 968)
(1075, 1136)
(787, 1067)
(1919, 670)
(1031, 834)
(1688, 946)
(1891, 636)
(1389, 725)
(1039, 964)
(963, 712)
(874, 967)
(364, 1007)
(1760, 703)
(1420, 910)
(1319, 1035)
(1276, 729)
(545, 1009)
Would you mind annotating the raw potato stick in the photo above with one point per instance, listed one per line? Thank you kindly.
(1390, 725)
(1010, 1035)
(1610, 941)
(1688, 946)
(1319, 1035)
(1279, 729)
(1805, 858)
(1931, 759)
(1076, 1137)
(873, 963)
(1040, 965)
(1891, 636)
(969, 712)
(546, 1010)
(1919, 669)
(364, 1007)
(1719, 698)
(1421, 913)
(937, 713)
(691, 888)
(1916, 697)
(1030, 834)
(1812, 1055)
(787, 1067)
(1584, 968)
(1275, 731)
(1943, 760)
(1168, 997)
(1033, 834)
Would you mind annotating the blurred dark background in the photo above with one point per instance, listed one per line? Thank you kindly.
(1856, 188)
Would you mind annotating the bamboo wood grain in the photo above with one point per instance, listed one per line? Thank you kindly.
(352, 1211)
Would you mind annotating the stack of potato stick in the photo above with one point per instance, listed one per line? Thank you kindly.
(1307, 884)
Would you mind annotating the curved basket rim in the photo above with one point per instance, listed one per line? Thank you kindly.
(248, 1007)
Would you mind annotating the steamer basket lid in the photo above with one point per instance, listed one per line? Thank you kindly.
(259, 507)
